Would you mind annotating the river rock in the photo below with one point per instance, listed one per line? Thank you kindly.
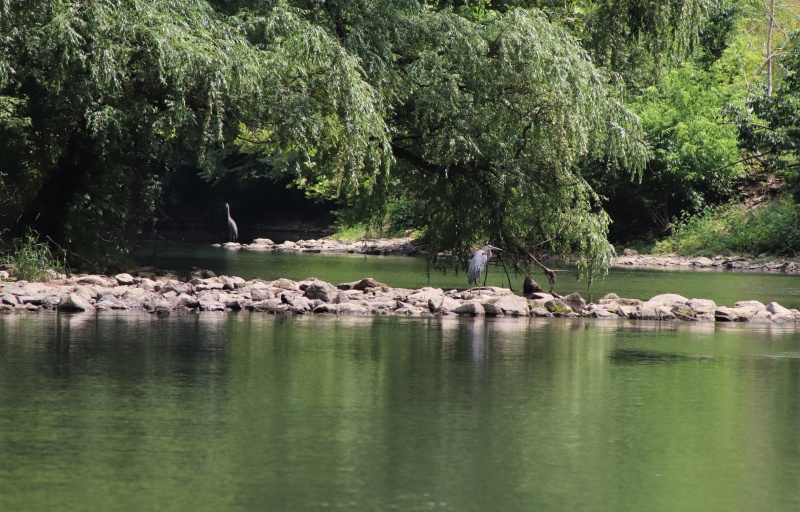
(558, 307)
(601, 311)
(212, 283)
(702, 262)
(703, 309)
(540, 312)
(410, 311)
(726, 314)
(74, 302)
(778, 313)
(471, 308)
(232, 283)
(365, 284)
(285, 284)
(271, 306)
(94, 280)
(124, 279)
(9, 299)
(508, 306)
(321, 290)
(666, 299)
(651, 311)
(575, 301)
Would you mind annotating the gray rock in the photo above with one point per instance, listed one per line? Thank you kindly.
(540, 312)
(125, 279)
(726, 314)
(595, 311)
(321, 290)
(650, 311)
(232, 283)
(74, 302)
(666, 299)
(779, 313)
(702, 262)
(558, 307)
(9, 299)
(212, 283)
(285, 284)
(36, 300)
(575, 301)
(470, 308)
(510, 305)
(382, 306)
(95, 280)
(410, 311)
(187, 301)
(271, 306)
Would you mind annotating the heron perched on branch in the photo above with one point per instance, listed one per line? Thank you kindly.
(233, 231)
(478, 262)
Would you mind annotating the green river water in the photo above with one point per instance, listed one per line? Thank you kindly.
(248, 411)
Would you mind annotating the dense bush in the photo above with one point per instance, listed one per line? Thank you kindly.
(769, 228)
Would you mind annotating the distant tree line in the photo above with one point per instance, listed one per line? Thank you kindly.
(530, 124)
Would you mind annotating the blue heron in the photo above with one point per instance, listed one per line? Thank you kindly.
(233, 231)
(478, 263)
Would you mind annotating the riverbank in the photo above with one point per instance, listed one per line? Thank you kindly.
(161, 292)
(408, 246)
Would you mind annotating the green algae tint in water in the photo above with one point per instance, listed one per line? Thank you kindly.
(257, 412)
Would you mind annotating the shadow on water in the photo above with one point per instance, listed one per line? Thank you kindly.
(631, 356)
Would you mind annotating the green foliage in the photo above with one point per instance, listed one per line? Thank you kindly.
(114, 93)
(695, 158)
(351, 233)
(772, 228)
(770, 125)
(476, 114)
(32, 260)
(490, 120)
(322, 124)
(641, 39)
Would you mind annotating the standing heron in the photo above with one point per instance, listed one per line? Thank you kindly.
(233, 231)
(478, 263)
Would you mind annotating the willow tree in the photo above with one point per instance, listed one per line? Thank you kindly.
(496, 116)
(488, 118)
(102, 98)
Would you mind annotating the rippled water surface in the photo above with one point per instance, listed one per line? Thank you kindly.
(256, 412)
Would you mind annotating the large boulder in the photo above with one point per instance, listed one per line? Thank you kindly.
(74, 302)
(124, 279)
(575, 301)
(510, 305)
(778, 313)
(470, 308)
(321, 290)
(558, 307)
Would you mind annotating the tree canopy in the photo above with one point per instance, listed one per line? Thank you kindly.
(484, 116)
(101, 99)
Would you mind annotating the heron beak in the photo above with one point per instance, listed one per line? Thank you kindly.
(494, 248)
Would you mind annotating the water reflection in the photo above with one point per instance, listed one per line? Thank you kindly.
(250, 411)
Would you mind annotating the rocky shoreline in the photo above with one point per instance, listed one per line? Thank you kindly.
(408, 246)
(161, 292)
